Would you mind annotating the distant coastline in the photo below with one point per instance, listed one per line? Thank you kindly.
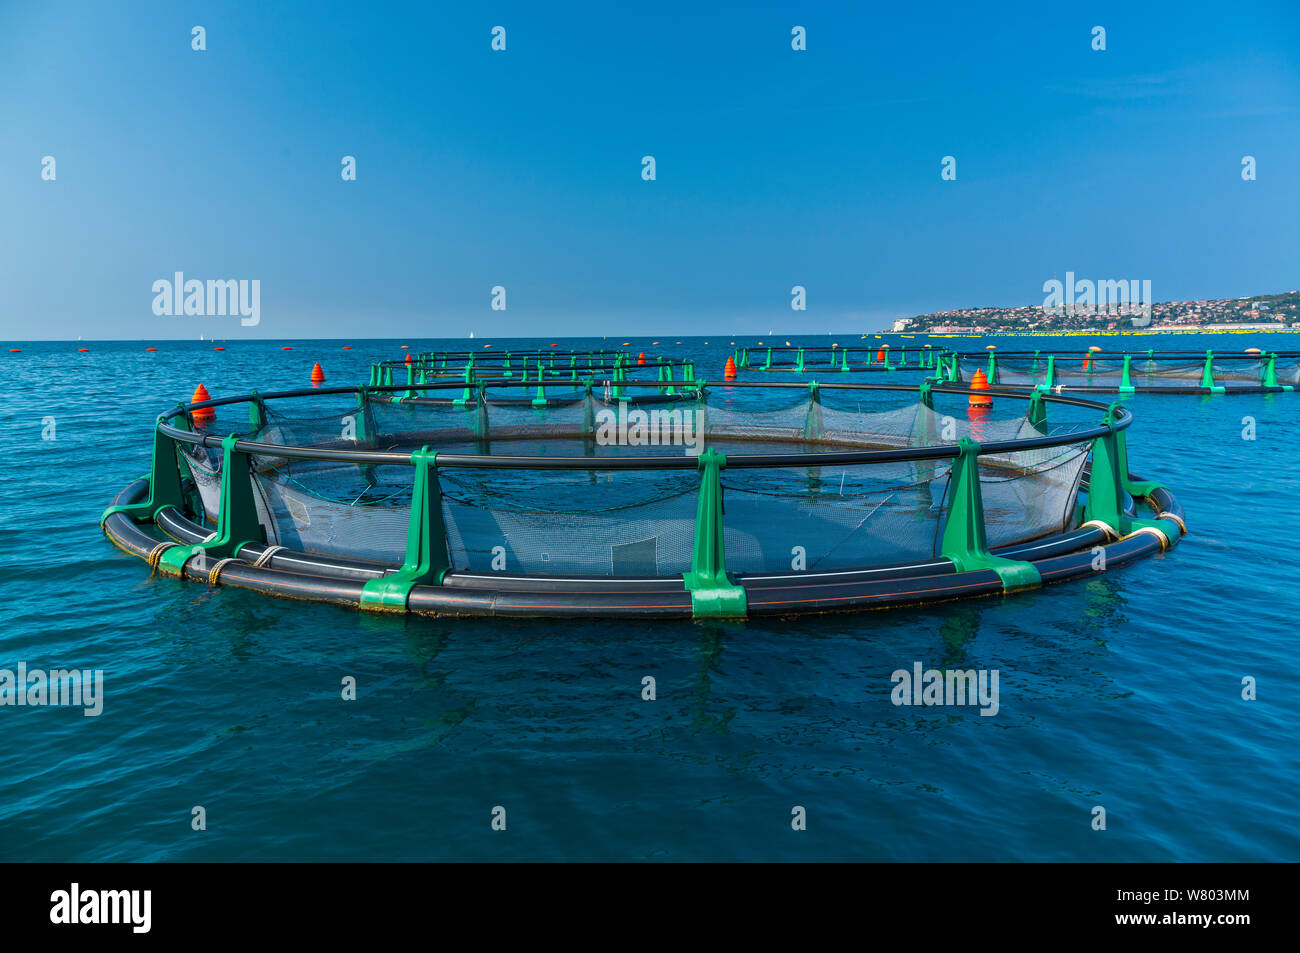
(1255, 313)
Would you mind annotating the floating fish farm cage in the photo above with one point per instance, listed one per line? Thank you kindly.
(1131, 372)
(730, 500)
(849, 359)
(541, 368)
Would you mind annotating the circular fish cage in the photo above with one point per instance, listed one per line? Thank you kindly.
(732, 500)
(541, 367)
(1131, 372)
(853, 358)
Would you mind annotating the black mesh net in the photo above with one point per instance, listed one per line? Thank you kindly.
(641, 522)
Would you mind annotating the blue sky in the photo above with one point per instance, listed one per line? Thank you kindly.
(522, 168)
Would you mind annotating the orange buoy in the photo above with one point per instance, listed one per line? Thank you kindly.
(317, 375)
(15, 350)
(980, 382)
(880, 356)
(1253, 350)
(406, 347)
(82, 350)
(151, 349)
(286, 348)
(641, 358)
(653, 343)
(204, 415)
(347, 347)
(218, 349)
(553, 345)
(729, 372)
(408, 359)
(1087, 358)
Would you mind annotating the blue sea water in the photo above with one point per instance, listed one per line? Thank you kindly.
(1122, 692)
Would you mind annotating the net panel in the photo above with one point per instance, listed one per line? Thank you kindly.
(595, 523)
(829, 518)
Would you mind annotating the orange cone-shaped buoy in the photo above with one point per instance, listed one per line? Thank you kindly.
(980, 382)
(880, 356)
(317, 375)
(1087, 358)
(204, 415)
(408, 358)
(641, 358)
(729, 372)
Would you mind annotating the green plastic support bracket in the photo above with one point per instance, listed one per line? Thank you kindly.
(1108, 482)
(924, 433)
(1207, 375)
(1037, 413)
(256, 412)
(1126, 378)
(164, 484)
(426, 562)
(965, 541)
(714, 595)
(1049, 381)
(813, 428)
(1269, 377)
(237, 523)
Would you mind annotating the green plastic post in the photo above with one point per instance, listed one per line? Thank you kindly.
(714, 595)
(992, 372)
(468, 394)
(1109, 481)
(256, 413)
(1126, 378)
(1050, 380)
(620, 376)
(427, 561)
(237, 523)
(924, 434)
(164, 484)
(965, 541)
(798, 362)
(768, 365)
(1270, 374)
(1207, 375)
(1038, 412)
(844, 360)
(813, 428)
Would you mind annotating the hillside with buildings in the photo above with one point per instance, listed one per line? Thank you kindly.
(1263, 312)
